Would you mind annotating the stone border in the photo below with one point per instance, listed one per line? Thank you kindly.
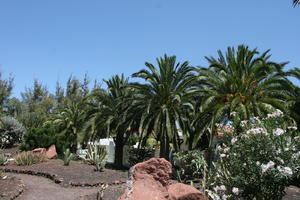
(58, 180)
(20, 190)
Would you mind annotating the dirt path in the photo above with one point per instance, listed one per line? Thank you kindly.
(39, 188)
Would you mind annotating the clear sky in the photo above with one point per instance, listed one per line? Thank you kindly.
(51, 39)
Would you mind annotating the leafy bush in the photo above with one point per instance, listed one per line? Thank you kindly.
(188, 166)
(29, 158)
(11, 131)
(260, 162)
(3, 159)
(96, 155)
(44, 137)
(139, 155)
(68, 156)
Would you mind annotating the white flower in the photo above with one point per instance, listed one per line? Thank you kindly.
(286, 149)
(222, 155)
(269, 165)
(235, 190)
(278, 151)
(223, 188)
(277, 113)
(244, 123)
(278, 131)
(224, 197)
(285, 170)
(233, 140)
(257, 163)
(293, 128)
(226, 149)
(233, 114)
(255, 131)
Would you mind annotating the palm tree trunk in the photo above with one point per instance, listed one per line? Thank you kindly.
(119, 150)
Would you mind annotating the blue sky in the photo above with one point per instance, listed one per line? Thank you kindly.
(52, 39)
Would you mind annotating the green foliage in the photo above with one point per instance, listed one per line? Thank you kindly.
(140, 155)
(29, 158)
(3, 159)
(96, 155)
(260, 162)
(68, 156)
(162, 98)
(189, 166)
(11, 131)
(6, 86)
(44, 137)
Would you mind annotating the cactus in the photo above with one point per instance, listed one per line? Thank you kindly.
(96, 156)
(68, 156)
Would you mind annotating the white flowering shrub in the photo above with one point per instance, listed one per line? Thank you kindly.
(11, 131)
(259, 162)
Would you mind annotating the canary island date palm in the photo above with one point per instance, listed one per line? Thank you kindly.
(295, 105)
(109, 113)
(296, 2)
(161, 98)
(242, 84)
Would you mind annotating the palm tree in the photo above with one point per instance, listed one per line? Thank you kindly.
(70, 120)
(109, 114)
(295, 105)
(162, 98)
(296, 2)
(243, 84)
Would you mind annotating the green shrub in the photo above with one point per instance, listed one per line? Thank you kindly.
(188, 166)
(44, 137)
(29, 158)
(68, 156)
(3, 160)
(11, 131)
(96, 155)
(139, 155)
(260, 162)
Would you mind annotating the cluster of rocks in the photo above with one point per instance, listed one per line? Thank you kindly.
(151, 180)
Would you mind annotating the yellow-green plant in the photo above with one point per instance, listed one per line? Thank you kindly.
(3, 159)
(68, 156)
(96, 155)
(29, 158)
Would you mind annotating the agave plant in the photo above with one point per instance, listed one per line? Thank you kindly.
(96, 155)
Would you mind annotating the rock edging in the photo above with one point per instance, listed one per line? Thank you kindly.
(55, 178)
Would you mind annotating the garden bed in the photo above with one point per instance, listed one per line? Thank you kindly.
(10, 188)
(76, 174)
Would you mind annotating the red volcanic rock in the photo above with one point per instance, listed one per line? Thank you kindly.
(51, 152)
(150, 180)
(158, 169)
(181, 191)
(39, 150)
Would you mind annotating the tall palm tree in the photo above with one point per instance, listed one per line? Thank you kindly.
(296, 2)
(162, 98)
(109, 113)
(242, 82)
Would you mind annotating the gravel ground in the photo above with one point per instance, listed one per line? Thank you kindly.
(39, 188)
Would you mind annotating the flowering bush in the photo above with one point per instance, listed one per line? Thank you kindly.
(259, 162)
(11, 131)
